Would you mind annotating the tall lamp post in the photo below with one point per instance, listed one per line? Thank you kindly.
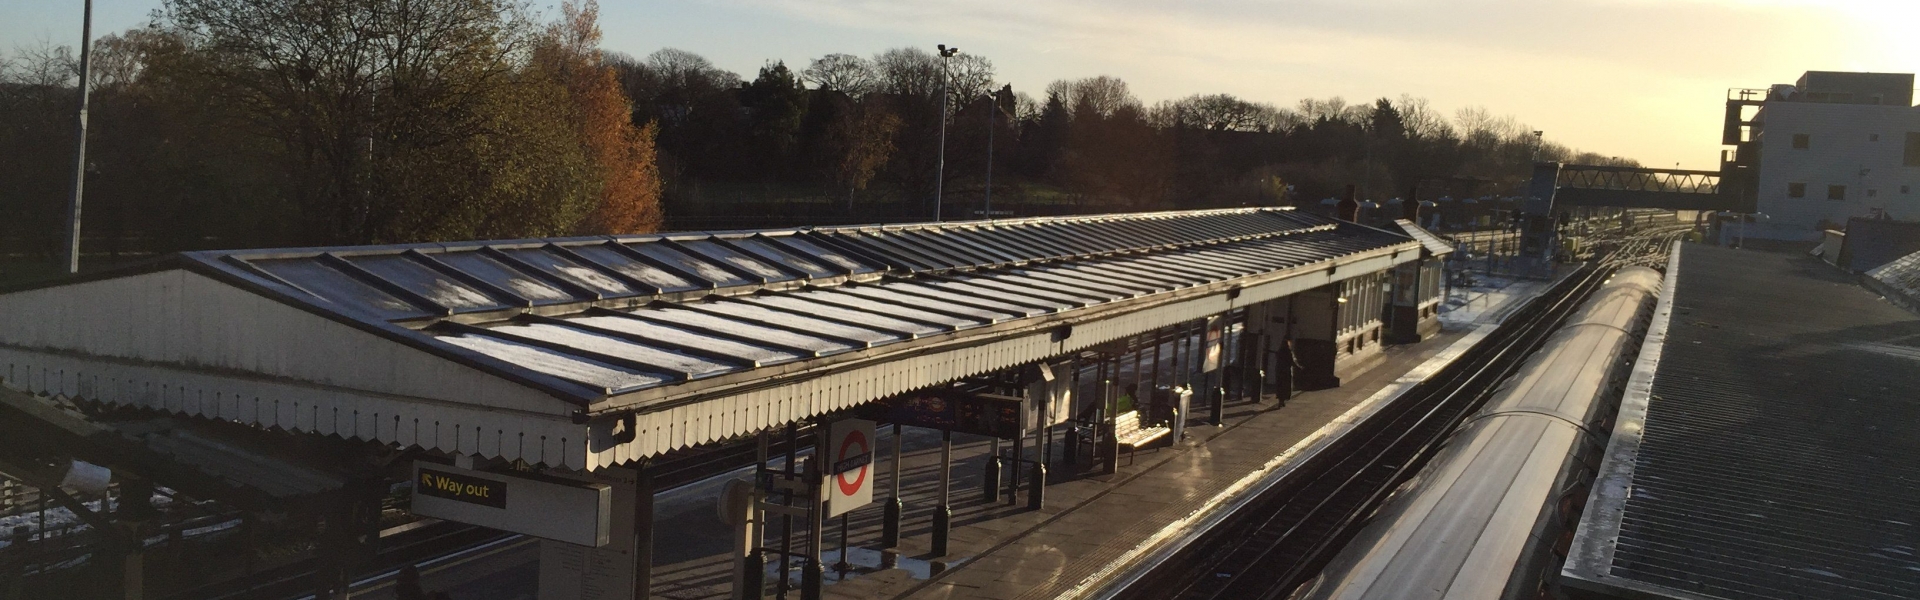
(80, 143)
(993, 109)
(940, 164)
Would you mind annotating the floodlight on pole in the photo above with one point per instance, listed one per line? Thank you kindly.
(940, 164)
(80, 142)
(993, 107)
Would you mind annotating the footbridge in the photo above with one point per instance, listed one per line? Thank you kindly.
(1636, 187)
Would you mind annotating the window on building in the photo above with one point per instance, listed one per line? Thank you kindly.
(1796, 190)
(1913, 149)
(1801, 141)
(1836, 192)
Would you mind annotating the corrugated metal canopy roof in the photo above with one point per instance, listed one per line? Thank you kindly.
(617, 325)
(430, 281)
(616, 315)
(1900, 277)
(1433, 243)
(1769, 447)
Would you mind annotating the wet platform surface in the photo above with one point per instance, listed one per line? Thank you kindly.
(997, 550)
(1089, 524)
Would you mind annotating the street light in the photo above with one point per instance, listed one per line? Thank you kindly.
(993, 108)
(80, 143)
(940, 164)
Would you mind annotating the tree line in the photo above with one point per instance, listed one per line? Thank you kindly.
(230, 123)
(863, 132)
(234, 123)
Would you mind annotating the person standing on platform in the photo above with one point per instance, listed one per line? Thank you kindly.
(1126, 401)
(1289, 369)
(406, 585)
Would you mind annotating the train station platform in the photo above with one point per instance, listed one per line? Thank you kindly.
(1096, 525)
(1090, 523)
(1768, 445)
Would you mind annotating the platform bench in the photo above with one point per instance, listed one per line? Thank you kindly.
(1132, 436)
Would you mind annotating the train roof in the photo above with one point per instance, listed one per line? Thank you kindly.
(1468, 524)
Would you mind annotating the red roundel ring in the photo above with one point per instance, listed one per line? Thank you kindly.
(848, 488)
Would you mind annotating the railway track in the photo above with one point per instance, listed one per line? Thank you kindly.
(1284, 537)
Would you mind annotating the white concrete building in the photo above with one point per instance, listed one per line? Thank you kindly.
(1834, 146)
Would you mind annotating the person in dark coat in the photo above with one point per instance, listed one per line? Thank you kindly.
(1288, 369)
(406, 585)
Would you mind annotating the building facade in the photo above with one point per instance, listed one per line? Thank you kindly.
(1834, 146)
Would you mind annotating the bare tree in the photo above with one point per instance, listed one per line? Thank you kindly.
(1421, 120)
(1223, 112)
(44, 65)
(907, 71)
(1026, 108)
(844, 73)
(683, 69)
(1332, 109)
(1287, 119)
(1102, 96)
(1480, 128)
(971, 76)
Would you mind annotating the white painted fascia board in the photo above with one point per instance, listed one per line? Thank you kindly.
(186, 321)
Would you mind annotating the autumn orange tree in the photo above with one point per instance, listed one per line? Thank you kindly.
(398, 121)
(622, 153)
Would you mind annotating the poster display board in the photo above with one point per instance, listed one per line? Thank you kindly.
(576, 572)
(1005, 417)
(1216, 332)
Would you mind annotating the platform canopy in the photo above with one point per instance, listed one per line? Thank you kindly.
(585, 352)
(1433, 244)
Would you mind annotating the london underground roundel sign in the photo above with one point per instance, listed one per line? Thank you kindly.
(850, 474)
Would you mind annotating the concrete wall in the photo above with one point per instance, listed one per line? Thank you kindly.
(1842, 150)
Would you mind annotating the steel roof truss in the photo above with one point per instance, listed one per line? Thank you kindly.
(576, 353)
(383, 284)
(631, 281)
(692, 328)
(560, 283)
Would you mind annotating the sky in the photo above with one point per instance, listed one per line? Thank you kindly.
(1641, 79)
